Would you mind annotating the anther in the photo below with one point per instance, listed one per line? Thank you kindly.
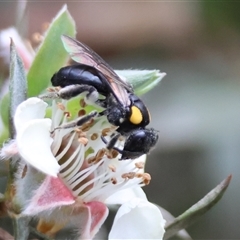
(146, 178)
(83, 140)
(94, 136)
(82, 103)
(91, 159)
(114, 153)
(37, 37)
(81, 112)
(67, 114)
(105, 131)
(61, 106)
(114, 180)
(100, 153)
(112, 168)
(139, 165)
(129, 175)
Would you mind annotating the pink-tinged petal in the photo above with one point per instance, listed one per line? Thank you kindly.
(34, 142)
(51, 194)
(88, 218)
(99, 213)
(32, 108)
(138, 219)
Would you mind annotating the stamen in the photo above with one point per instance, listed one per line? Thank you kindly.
(112, 168)
(67, 114)
(83, 140)
(91, 178)
(85, 127)
(61, 106)
(79, 164)
(139, 165)
(66, 148)
(91, 170)
(146, 178)
(129, 175)
(70, 165)
(105, 131)
(100, 154)
(82, 103)
(114, 180)
(91, 159)
(81, 112)
(94, 136)
(98, 157)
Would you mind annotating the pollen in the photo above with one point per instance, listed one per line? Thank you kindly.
(136, 116)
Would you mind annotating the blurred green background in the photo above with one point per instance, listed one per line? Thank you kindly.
(196, 107)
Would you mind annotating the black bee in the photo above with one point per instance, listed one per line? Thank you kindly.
(122, 107)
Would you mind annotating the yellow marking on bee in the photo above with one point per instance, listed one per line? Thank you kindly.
(136, 116)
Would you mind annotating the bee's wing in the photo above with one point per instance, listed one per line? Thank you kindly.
(81, 53)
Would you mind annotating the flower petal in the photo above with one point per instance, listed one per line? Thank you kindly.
(32, 108)
(51, 194)
(99, 213)
(138, 219)
(126, 195)
(34, 142)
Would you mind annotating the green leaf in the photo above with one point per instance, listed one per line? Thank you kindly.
(141, 80)
(51, 54)
(18, 84)
(4, 111)
(4, 108)
(197, 210)
(17, 93)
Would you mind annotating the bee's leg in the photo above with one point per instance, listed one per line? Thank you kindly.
(78, 122)
(102, 103)
(71, 91)
(110, 145)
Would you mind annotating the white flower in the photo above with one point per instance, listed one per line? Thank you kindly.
(146, 222)
(71, 177)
